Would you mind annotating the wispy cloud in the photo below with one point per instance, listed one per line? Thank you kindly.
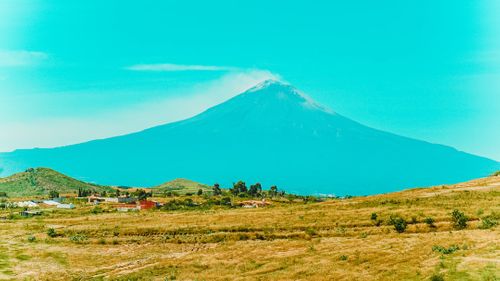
(18, 58)
(179, 67)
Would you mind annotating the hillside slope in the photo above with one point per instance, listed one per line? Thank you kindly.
(41, 181)
(181, 186)
(272, 134)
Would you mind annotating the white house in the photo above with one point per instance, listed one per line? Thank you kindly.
(66, 206)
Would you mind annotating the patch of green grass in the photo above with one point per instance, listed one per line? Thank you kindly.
(23, 257)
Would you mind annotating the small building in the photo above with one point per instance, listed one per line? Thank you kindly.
(95, 199)
(127, 207)
(66, 206)
(50, 202)
(146, 204)
(26, 204)
(254, 203)
(30, 213)
(120, 199)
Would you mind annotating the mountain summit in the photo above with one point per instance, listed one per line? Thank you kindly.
(272, 134)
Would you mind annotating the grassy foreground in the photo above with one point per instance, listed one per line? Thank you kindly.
(332, 240)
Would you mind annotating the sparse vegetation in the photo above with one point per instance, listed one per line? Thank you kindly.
(209, 237)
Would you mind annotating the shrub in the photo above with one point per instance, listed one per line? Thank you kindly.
(429, 221)
(51, 232)
(399, 223)
(31, 238)
(311, 231)
(225, 201)
(96, 210)
(343, 258)
(374, 217)
(488, 222)
(78, 238)
(200, 192)
(414, 220)
(437, 277)
(459, 219)
(445, 251)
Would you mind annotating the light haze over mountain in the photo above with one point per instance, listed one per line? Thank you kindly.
(272, 134)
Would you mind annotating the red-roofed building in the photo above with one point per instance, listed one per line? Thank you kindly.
(146, 204)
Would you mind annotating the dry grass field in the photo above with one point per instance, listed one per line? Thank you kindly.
(338, 239)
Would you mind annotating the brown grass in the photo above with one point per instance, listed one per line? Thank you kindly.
(282, 242)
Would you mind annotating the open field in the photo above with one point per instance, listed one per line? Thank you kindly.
(339, 239)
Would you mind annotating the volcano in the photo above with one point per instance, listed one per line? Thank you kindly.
(272, 134)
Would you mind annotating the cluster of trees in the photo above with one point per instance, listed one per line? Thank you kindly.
(53, 194)
(255, 190)
(141, 194)
(85, 192)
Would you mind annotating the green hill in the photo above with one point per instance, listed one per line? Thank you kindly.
(40, 181)
(181, 187)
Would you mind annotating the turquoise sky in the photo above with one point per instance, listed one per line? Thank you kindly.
(73, 72)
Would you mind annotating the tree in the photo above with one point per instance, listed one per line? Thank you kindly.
(255, 189)
(217, 190)
(141, 194)
(117, 193)
(273, 191)
(3, 194)
(53, 194)
(200, 192)
(239, 187)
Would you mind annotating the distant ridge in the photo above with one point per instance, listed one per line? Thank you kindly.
(273, 134)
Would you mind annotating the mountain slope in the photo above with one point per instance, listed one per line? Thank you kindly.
(271, 133)
(41, 181)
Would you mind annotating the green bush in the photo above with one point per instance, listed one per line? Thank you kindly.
(31, 238)
(437, 277)
(399, 223)
(51, 232)
(311, 231)
(430, 222)
(488, 222)
(373, 217)
(459, 219)
(343, 258)
(96, 210)
(445, 251)
(78, 238)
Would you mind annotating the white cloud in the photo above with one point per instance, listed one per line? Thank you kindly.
(17, 58)
(58, 131)
(178, 67)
